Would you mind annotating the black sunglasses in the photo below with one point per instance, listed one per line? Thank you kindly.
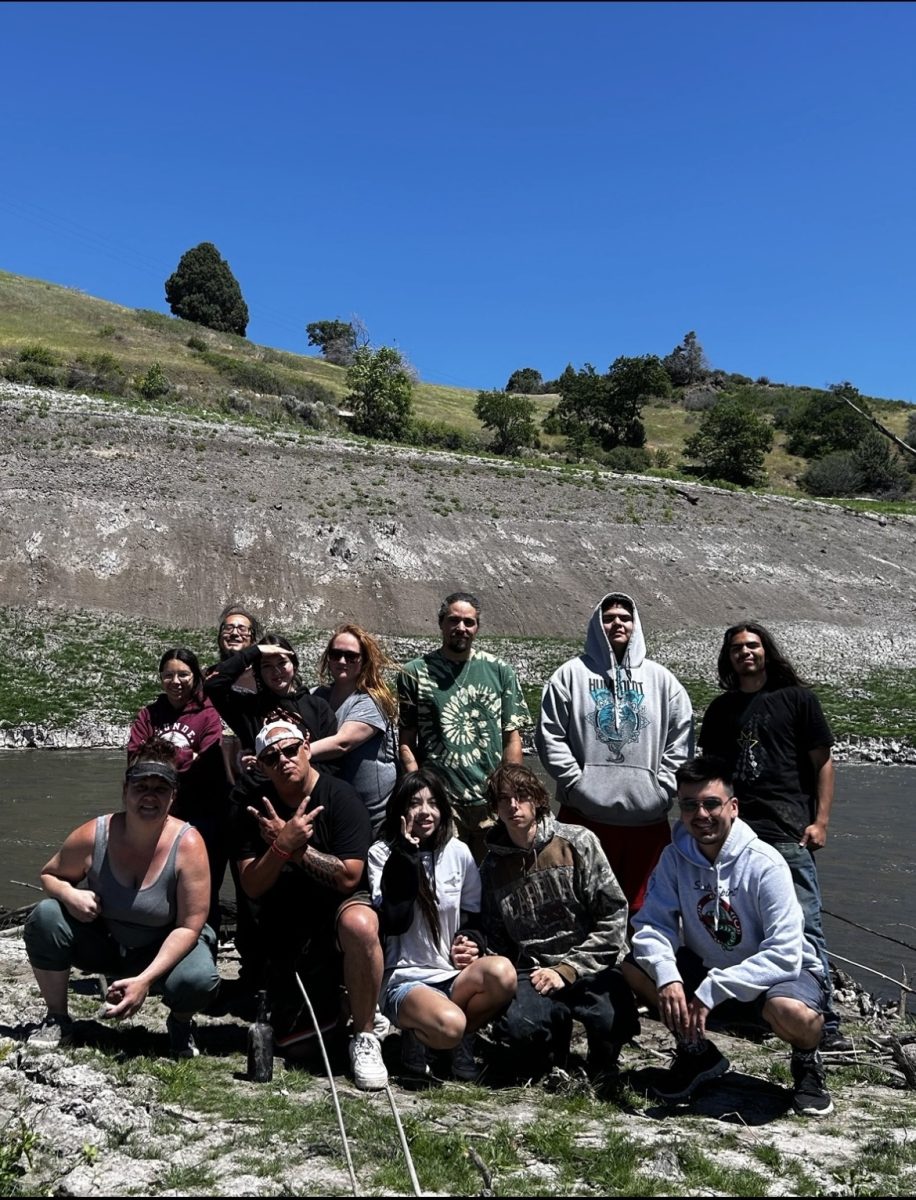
(349, 656)
(692, 806)
(271, 757)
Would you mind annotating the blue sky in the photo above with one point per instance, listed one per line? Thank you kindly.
(488, 186)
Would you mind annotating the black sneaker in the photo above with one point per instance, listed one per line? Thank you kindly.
(688, 1070)
(54, 1032)
(810, 1097)
(833, 1039)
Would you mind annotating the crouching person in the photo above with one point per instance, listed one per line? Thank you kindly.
(722, 932)
(439, 987)
(552, 905)
(301, 852)
(128, 898)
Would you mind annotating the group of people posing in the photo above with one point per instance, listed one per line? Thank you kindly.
(396, 863)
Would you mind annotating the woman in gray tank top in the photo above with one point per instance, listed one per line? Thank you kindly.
(128, 897)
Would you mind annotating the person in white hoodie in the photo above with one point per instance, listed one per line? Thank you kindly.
(721, 930)
(613, 729)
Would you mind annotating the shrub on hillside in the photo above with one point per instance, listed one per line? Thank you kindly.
(381, 393)
(253, 376)
(154, 383)
(628, 458)
(833, 475)
(731, 443)
(438, 435)
(97, 373)
(196, 343)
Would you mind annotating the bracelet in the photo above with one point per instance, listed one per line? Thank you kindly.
(284, 854)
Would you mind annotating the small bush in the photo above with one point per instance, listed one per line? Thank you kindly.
(36, 353)
(253, 376)
(196, 343)
(441, 436)
(154, 383)
(157, 320)
(99, 373)
(662, 457)
(833, 475)
(628, 458)
(107, 331)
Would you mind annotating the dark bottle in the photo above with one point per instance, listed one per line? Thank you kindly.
(261, 1045)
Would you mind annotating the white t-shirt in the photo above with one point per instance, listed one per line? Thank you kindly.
(413, 955)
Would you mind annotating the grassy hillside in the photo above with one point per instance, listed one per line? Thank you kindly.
(94, 346)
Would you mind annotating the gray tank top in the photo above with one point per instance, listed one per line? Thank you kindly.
(136, 917)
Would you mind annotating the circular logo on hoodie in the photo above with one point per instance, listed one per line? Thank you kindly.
(720, 920)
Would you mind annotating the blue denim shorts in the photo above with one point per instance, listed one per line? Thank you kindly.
(397, 993)
(807, 988)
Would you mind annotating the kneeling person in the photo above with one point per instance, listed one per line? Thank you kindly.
(552, 905)
(303, 857)
(721, 930)
(439, 987)
(128, 898)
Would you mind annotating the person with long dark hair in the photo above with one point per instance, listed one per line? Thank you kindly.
(771, 731)
(438, 987)
(183, 716)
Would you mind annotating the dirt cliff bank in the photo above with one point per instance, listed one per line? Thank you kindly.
(164, 517)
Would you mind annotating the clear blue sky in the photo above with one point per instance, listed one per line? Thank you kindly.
(488, 186)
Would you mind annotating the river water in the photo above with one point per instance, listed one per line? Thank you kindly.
(867, 869)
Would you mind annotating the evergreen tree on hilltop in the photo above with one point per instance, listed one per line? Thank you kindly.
(203, 289)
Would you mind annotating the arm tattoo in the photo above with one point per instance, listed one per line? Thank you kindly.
(325, 867)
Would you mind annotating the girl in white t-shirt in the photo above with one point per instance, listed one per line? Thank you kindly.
(439, 985)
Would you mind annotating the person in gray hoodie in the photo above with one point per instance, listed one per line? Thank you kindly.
(722, 931)
(614, 727)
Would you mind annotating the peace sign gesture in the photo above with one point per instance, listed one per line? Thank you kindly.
(269, 823)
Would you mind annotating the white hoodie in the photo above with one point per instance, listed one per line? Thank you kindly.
(738, 913)
(613, 734)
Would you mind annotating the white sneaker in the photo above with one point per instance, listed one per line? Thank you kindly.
(369, 1071)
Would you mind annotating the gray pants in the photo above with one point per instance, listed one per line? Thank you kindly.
(54, 941)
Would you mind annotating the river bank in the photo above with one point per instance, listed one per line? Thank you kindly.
(113, 1116)
(92, 735)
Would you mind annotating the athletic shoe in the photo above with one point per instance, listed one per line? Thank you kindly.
(810, 1097)
(463, 1064)
(369, 1072)
(414, 1055)
(181, 1038)
(688, 1070)
(55, 1031)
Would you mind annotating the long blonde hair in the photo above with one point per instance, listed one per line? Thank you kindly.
(371, 679)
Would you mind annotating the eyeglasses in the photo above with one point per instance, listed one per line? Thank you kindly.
(692, 806)
(177, 677)
(245, 630)
(348, 656)
(271, 757)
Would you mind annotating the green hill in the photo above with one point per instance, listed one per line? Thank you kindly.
(62, 337)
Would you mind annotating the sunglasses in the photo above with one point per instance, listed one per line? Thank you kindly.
(348, 656)
(692, 806)
(271, 757)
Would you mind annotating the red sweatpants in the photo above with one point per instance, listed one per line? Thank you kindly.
(632, 851)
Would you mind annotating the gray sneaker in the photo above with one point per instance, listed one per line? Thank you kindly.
(414, 1055)
(55, 1031)
(181, 1038)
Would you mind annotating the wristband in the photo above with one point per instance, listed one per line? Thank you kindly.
(283, 854)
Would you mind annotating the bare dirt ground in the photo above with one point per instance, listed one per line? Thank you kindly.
(115, 1117)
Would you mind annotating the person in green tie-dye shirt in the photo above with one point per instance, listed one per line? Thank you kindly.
(461, 714)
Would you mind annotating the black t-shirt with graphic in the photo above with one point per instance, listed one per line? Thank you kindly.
(766, 738)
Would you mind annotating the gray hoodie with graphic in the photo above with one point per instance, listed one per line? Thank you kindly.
(613, 734)
(738, 913)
